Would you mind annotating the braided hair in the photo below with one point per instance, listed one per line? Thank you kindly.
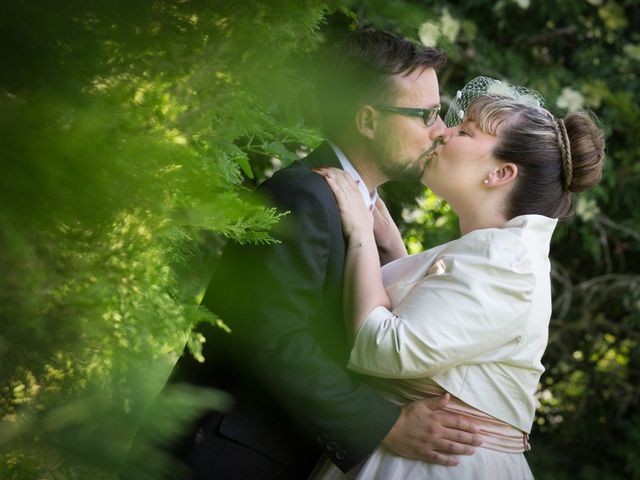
(555, 157)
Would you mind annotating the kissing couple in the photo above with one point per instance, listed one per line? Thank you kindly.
(349, 358)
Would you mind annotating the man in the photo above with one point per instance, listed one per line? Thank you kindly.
(284, 362)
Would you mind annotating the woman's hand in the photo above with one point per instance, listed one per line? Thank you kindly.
(363, 287)
(357, 221)
(388, 238)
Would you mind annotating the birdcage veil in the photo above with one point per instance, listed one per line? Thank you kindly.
(481, 86)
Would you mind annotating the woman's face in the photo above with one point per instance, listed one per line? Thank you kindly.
(461, 163)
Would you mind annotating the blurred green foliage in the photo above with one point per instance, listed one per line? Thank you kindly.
(120, 124)
(131, 133)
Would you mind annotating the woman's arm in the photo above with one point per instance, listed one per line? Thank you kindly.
(364, 292)
(475, 301)
(388, 238)
(363, 288)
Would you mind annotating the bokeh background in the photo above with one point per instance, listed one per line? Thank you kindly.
(131, 135)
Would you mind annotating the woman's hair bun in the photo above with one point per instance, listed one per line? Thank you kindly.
(584, 153)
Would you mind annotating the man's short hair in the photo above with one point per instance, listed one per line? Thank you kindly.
(358, 70)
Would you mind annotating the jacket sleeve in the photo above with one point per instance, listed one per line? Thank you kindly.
(472, 301)
(276, 290)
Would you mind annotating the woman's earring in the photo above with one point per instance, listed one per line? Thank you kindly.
(486, 181)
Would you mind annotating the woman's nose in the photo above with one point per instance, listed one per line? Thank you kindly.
(447, 134)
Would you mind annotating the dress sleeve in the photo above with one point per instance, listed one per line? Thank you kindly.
(475, 298)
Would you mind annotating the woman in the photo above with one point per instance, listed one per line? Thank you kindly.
(470, 317)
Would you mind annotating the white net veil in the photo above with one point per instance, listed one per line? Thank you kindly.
(481, 86)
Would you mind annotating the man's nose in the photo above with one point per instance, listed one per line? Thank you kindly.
(438, 129)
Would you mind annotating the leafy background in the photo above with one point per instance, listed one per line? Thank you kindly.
(132, 135)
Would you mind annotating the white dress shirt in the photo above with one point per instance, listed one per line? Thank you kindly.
(471, 315)
(369, 198)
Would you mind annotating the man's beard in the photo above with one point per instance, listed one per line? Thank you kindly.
(405, 170)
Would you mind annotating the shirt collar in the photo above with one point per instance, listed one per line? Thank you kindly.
(369, 198)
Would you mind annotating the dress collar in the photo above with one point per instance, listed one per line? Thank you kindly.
(535, 229)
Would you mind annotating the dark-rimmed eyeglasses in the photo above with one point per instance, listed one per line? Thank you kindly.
(428, 115)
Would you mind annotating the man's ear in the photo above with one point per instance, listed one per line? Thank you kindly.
(366, 121)
(503, 175)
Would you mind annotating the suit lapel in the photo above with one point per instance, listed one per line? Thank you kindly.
(323, 156)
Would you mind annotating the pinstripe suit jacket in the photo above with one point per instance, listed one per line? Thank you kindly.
(289, 345)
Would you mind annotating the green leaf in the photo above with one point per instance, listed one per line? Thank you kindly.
(244, 165)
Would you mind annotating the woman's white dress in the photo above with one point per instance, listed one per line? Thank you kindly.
(471, 317)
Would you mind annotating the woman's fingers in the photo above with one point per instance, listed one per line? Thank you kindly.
(338, 192)
(344, 181)
(341, 183)
(342, 178)
(381, 207)
(381, 213)
(353, 211)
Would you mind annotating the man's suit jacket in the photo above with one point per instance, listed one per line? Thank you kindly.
(285, 359)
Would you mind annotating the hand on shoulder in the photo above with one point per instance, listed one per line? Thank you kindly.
(357, 222)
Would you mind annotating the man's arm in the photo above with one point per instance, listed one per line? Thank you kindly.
(269, 296)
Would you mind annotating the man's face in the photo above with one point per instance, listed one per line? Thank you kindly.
(404, 143)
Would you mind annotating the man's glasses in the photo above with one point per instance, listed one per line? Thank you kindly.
(428, 115)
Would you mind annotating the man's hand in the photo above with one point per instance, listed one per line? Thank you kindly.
(426, 432)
